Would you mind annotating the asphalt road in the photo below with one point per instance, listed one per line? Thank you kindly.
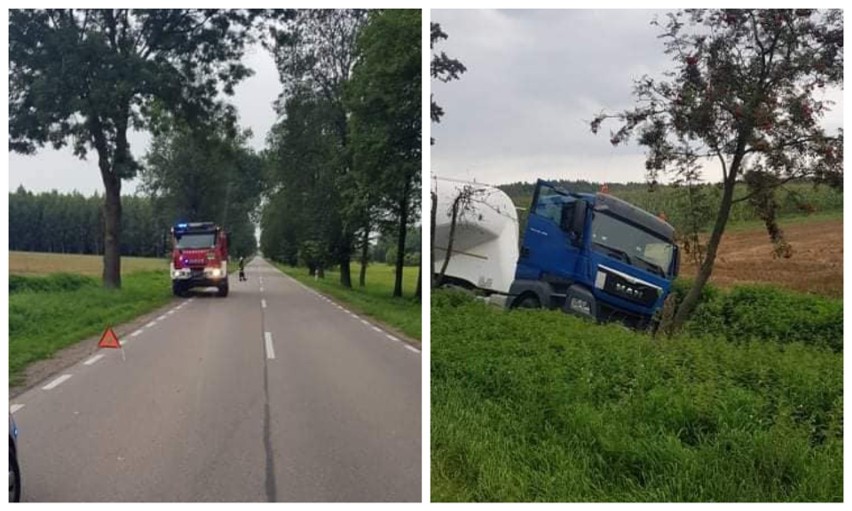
(271, 394)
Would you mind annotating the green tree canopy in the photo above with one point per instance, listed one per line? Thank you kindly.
(84, 77)
(745, 93)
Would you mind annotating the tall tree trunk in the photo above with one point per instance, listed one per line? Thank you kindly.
(112, 203)
(112, 232)
(691, 300)
(345, 272)
(400, 238)
(418, 293)
(365, 252)
(450, 240)
(320, 272)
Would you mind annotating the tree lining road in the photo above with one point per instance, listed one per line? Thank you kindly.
(200, 411)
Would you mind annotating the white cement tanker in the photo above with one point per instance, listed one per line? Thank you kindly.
(485, 243)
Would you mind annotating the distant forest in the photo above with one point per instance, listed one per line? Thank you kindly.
(673, 202)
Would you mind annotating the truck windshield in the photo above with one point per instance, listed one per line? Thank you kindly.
(196, 240)
(633, 245)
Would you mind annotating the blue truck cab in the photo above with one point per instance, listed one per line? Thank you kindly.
(594, 255)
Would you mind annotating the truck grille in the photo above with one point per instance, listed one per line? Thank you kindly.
(616, 285)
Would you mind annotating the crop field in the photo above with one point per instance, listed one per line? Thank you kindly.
(541, 406)
(745, 256)
(43, 263)
(374, 299)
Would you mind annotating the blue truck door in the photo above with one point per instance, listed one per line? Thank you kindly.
(546, 250)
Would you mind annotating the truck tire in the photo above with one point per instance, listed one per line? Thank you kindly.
(527, 301)
(223, 290)
(178, 289)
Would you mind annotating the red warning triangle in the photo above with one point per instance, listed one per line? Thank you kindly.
(109, 339)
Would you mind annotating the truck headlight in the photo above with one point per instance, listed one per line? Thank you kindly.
(580, 305)
(215, 272)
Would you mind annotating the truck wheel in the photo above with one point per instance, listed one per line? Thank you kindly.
(527, 302)
(178, 289)
(223, 290)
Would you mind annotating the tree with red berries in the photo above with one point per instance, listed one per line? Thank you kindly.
(746, 94)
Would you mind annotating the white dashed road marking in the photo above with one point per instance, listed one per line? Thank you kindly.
(171, 312)
(263, 303)
(15, 407)
(137, 332)
(365, 322)
(261, 289)
(57, 382)
(389, 336)
(93, 359)
(150, 324)
(411, 348)
(270, 349)
(161, 317)
(377, 329)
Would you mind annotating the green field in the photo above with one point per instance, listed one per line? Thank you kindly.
(541, 406)
(374, 300)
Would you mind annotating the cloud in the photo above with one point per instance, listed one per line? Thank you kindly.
(535, 79)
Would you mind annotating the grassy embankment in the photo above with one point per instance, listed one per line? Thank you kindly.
(374, 299)
(57, 300)
(541, 406)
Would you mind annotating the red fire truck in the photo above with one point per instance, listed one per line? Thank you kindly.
(199, 257)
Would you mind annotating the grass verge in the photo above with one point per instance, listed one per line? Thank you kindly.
(48, 313)
(375, 298)
(541, 406)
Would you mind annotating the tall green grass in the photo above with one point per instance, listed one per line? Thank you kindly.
(49, 313)
(375, 298)
(541, 406)
(761, 312)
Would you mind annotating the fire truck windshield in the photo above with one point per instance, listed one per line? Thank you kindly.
(196, 241)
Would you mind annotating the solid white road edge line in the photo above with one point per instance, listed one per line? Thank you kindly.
(55, 383)
(270, 349)
(15, 407)
(93, 359)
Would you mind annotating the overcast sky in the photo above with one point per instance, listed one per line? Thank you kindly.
(49, 169)
(534, 80)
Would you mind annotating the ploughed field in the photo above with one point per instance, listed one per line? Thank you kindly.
(745, 256)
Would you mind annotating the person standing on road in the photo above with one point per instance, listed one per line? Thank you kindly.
(243, 268)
